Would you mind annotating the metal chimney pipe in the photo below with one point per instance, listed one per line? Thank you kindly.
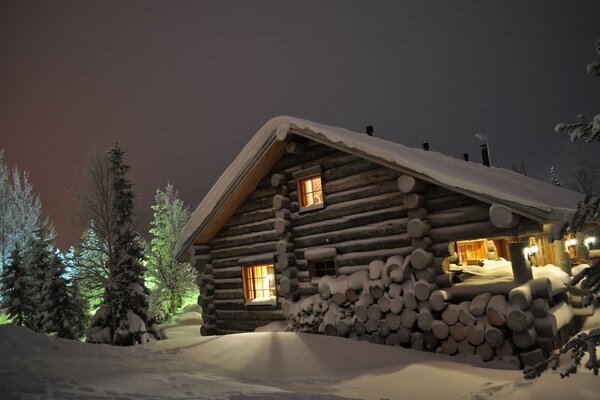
(485, 155)
(426, 146)
(369, 130)
(466, 156)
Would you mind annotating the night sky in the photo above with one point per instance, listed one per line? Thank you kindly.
(183, 85)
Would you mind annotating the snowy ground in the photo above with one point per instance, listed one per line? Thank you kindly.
(262, 365)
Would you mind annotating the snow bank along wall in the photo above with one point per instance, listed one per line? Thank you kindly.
(389, 239)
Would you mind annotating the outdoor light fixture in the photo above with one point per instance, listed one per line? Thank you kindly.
(589, 241)
(570, 243)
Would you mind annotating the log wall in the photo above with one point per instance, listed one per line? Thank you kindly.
(371, 213)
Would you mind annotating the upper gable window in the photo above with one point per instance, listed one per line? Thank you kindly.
(310, 191)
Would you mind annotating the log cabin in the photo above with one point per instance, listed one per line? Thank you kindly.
(348, 234)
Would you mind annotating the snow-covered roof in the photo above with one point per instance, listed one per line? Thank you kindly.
(535, 199)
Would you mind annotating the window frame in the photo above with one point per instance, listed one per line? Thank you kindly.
(268, 301)
(312, 267)
(303, 175)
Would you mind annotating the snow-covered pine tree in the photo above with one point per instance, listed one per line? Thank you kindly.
(172, 279)
(123, 317)
(62, 311)
(37, 264)
(16, 296)
(554, 176)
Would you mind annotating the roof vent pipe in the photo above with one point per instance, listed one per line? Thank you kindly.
(485, 155)
(426, 146)
(466, 156)
(369, 130)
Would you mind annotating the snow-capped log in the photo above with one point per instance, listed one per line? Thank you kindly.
(523, 295)
(375, 269)
(278, 180)
(449, 346)
(540, 307)
(417, 228)
(282, 226)
(465, 348)
(358, 280)
(285, 261)
(400, 272)
(557, 317)
(383, 303)
(423, 289)
(458, 331)
(450, 314)
(395, 290)
(408, 318)
(361, 306)
(466, 291)
(407, 184)
(424, 317)
(392, 320)
(282, 132)
(502, 217)
(474, 230)
(524, 339)
(479, 303)
(484, 351)
(440, 329)
(360, 179)
(494, 336)
(376, 288)
(476, 333)
(408, 295)
(518, 320)
(396, 305)
(464, 314)
(439, 299)
(496, 310)
(295, 148)
(413, 200)
(421, 259)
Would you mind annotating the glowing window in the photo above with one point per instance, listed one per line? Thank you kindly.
(310, 191)
(319, 268)
(471, 251)
(259, 284)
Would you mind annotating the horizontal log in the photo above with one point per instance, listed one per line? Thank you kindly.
(245, 250)
(386, 228)
(364, 178)
(224, 294)
(358, 193)
(349, 208)
(476, 230)
(228, 272)
(254, 205)
(231, 283)
(314, 155)
(245, 239)
(348, 169)
(363, 258)
(260, 226)
(459, 216)
(250, 217)
(353, 219)
(454, 200)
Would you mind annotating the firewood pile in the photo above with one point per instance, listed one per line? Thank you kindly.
(388, 305)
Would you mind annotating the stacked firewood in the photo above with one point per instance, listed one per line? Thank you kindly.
(387, 305)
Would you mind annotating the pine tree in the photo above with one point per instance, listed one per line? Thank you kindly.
(123, 316)
(16, 296)
(37, 265)
(172, 279)
(62, 311)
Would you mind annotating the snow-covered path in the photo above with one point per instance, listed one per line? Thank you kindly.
(264, 365)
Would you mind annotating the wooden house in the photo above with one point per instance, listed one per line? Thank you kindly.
(304, 204)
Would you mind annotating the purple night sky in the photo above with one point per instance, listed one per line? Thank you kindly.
(183, 85)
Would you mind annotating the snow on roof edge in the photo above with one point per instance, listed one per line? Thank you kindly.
(472, 177)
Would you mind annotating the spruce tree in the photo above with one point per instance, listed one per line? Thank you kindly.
(37, 265)
(16, 296)
(62, 310)
(123, 317)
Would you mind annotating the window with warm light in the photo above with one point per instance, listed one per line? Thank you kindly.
(471, 251)
(310, 191)
(320, 268)
(259, 284)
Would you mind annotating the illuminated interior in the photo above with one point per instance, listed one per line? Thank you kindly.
(311, 191)
(471, 251)
(259, 283)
